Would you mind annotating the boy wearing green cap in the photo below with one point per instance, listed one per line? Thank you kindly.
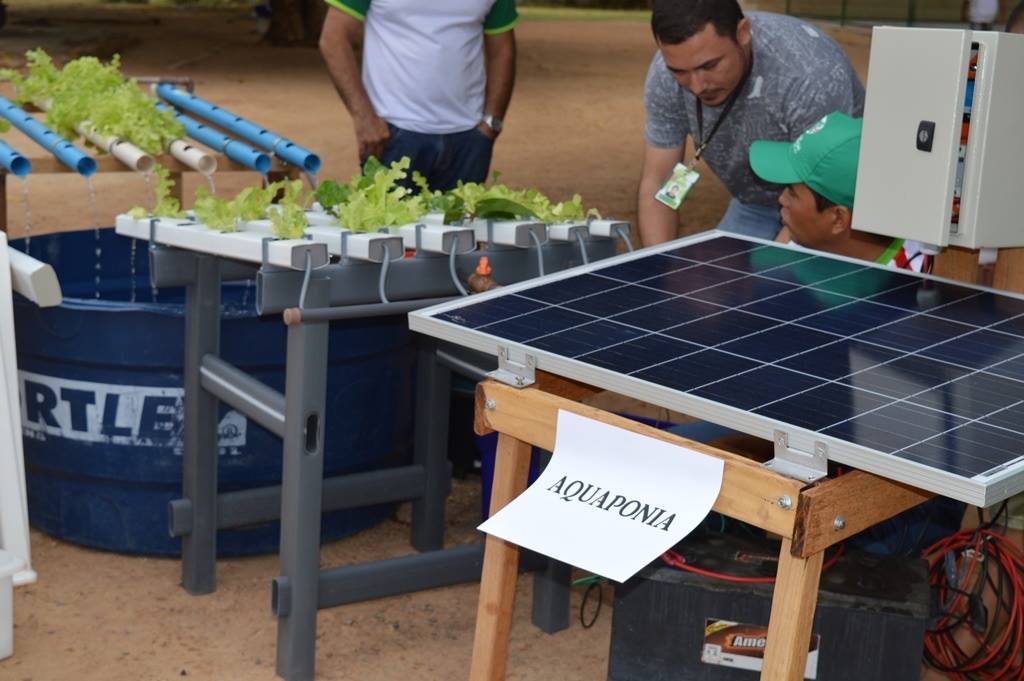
(819, 170)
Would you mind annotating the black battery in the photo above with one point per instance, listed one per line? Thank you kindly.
(869, 623)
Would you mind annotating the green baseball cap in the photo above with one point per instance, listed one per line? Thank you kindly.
(824, 158)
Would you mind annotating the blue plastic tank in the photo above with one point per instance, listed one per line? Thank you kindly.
(101, 387)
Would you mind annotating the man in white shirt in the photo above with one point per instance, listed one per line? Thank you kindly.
(434, 84)
(980, 13)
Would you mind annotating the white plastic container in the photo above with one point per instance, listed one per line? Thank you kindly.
(9, 564)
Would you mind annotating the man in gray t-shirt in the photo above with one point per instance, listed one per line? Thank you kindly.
(726, 80)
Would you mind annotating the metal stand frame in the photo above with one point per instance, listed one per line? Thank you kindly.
(333, 292)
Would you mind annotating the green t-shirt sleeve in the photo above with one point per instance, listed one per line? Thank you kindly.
(355, 8)
(502, 17)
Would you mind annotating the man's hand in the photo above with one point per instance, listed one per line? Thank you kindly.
(340, 41)
(656, 222)
(372, 134)
(487, 130)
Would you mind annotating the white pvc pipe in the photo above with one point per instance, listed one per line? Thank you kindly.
(245, 246)
(123, 150)
(34, 279)
(194, 157)
(14, 536)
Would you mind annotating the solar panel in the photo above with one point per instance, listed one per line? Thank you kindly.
(908, 376)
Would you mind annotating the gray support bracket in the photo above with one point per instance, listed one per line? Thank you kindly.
(301, 490)
(253, 398)
(798, 464)
(200, 450)
(515, 374)
(430, 447)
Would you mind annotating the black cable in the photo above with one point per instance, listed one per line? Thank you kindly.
(583, 604)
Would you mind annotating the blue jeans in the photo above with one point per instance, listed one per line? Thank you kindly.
(751, 220)
(442, 159)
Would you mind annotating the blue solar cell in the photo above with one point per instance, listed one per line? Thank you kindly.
(854, 318)
(915, 333)
(669, 313)
(640, 353)
(925, 295)
(798, 303)
(1013, 368)
(775, 344)
(490, 311)
(586, 338)
(972, 449)
(867, 282)
(1014, 326)
(763, 259)
(567, 289)
(692, 279)
(536, 324)
(695, 370)
(822, 407)
(1011, 419)
(978, 350)
(618, 300)
(923, 371)
(757, 387)
(839, 359)
(720, 328)
(705, 251)
(905, 376)
(894, 427)
(643, 268)
(813, 270)
(973, 396)
(982, 309)
(742, 291)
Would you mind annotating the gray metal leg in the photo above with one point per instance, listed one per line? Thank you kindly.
(199, 460)
(301, 492)
(433, 390)
(551, 596)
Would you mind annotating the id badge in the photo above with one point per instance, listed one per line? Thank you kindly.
(678, 185)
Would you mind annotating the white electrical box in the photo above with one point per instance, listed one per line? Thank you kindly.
(942, 149)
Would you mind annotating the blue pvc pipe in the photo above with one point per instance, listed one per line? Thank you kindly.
(65, 151)
(16, 164)
(287, 151)
(239, 152)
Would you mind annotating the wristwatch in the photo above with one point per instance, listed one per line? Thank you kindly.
(493, 122)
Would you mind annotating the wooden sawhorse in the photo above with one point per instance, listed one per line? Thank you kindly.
(809, 518)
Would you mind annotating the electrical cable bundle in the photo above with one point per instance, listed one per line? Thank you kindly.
(962, 566)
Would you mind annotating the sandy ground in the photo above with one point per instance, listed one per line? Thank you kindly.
(575, 126)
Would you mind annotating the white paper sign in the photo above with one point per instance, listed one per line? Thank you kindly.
(610, 501)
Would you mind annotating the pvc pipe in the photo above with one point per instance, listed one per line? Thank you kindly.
(284, 149)
(14, 536)
(194, 157)
(66, 153)
(244, 246)
(232, 148)
(123, 150)
(16, 164)
(34, 279)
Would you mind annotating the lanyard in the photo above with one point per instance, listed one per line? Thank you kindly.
(702, 144)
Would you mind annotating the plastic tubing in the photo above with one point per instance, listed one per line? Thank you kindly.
(232, 148)
(16, 164)
(284, 149)
(123, 150)
(65, 151)
(194, 157)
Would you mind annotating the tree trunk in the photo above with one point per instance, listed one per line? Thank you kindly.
(296, 23)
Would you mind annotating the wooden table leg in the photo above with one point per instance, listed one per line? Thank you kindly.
(501, 565)
(793, 603)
